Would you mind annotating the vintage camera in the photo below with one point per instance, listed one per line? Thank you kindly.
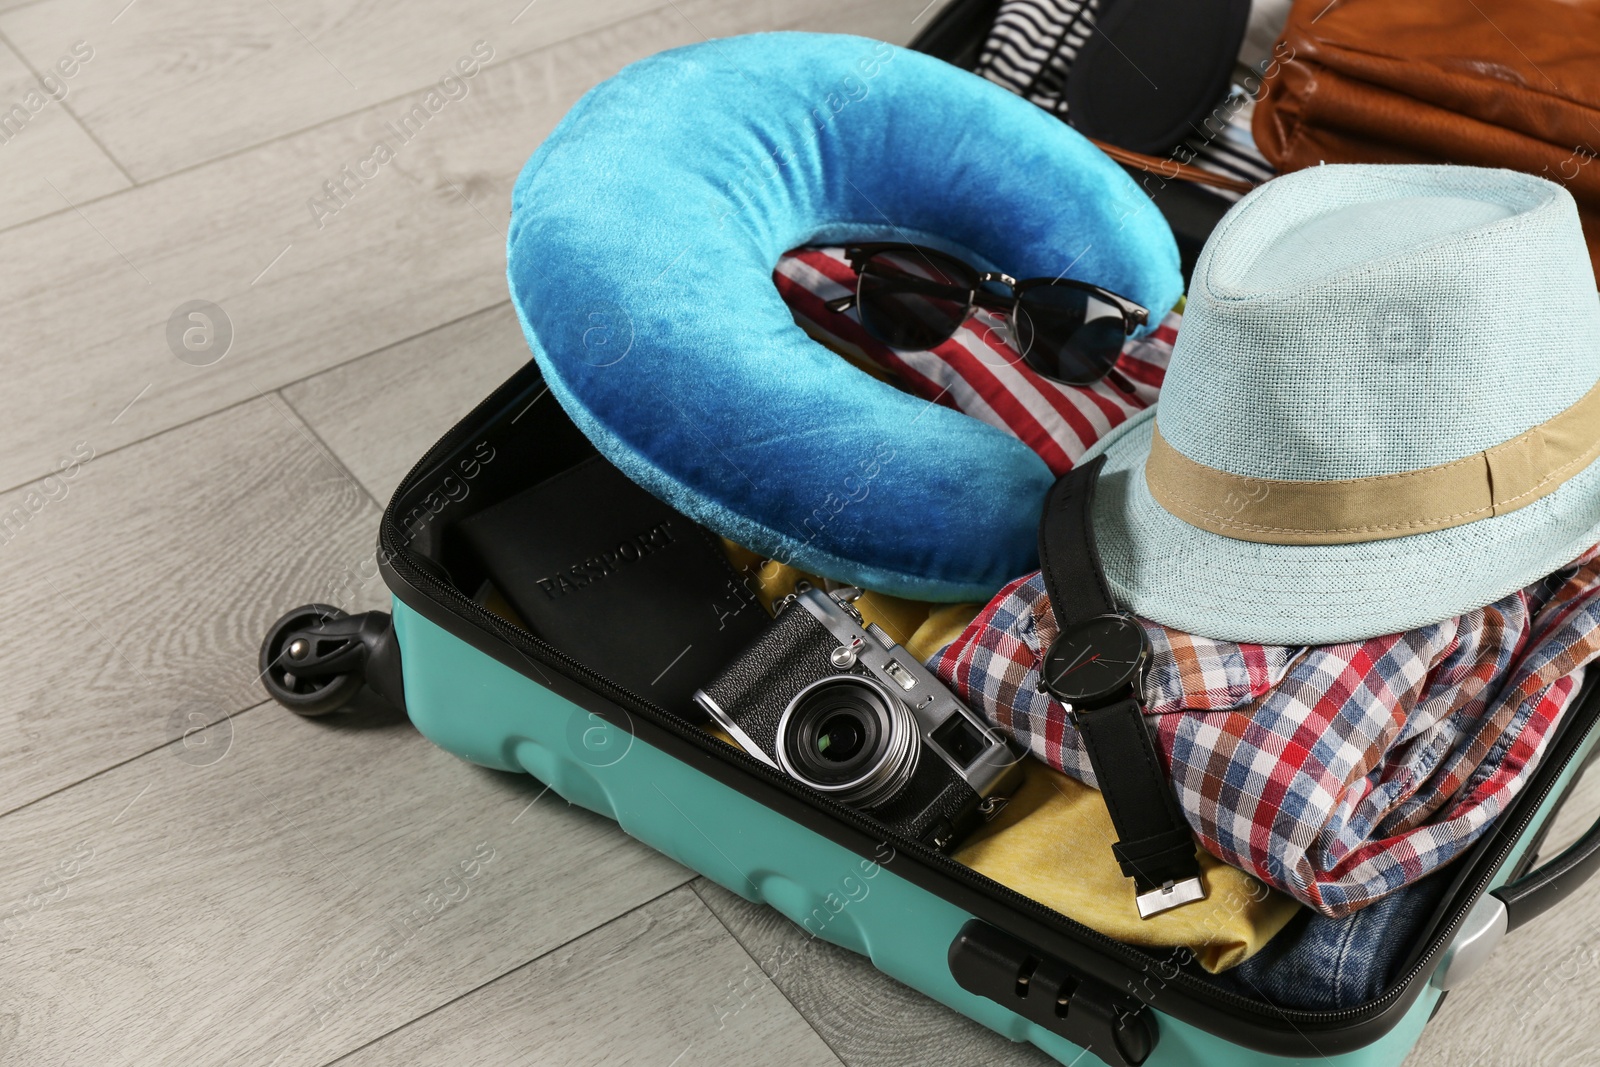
(845, 710)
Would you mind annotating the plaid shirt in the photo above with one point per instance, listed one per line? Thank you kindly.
(1337, 773)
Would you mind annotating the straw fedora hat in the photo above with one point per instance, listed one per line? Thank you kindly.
(1381, 411)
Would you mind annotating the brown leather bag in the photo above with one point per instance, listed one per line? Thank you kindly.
(1491, 83)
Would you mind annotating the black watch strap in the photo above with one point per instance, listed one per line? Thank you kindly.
(1067, 552)
(1155, 846)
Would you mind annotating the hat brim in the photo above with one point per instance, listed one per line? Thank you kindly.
(1181, 576)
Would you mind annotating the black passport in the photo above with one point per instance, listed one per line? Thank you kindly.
(617, 580)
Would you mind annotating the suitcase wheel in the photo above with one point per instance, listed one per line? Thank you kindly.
(311, 660)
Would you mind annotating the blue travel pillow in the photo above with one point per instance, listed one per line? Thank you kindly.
(644, 233)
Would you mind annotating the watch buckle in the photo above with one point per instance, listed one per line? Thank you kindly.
(1169, 896)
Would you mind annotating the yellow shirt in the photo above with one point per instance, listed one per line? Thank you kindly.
(1052, 842)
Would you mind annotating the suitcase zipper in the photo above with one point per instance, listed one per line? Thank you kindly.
(396, 551)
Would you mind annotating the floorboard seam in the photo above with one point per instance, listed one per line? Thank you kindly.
(94, 138)
(837, 1055)
(275, 389)
(87, 132)
(121, 763)
(513, 970)
(333, 457)
(376, 104)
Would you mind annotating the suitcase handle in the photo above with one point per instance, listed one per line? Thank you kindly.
(1551, 882)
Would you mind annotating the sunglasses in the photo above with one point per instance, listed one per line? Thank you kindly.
(913, 298)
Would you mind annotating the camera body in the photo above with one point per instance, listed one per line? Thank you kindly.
(844, 709)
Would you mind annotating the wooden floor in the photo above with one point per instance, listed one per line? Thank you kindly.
(191, 876)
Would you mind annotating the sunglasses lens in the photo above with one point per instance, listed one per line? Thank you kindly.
(914, 299)
(1068, 334)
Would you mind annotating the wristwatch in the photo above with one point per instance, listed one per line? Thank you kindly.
(1097, 662)
(1095, 667)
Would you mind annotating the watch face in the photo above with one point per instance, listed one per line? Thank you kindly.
(1095, 659)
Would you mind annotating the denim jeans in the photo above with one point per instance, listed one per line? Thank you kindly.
(1318, 963)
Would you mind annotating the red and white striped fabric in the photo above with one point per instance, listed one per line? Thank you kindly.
(977, 371)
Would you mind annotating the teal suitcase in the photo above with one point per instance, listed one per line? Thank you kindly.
(497, 695)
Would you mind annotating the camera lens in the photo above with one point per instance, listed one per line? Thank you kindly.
(849, 737)
(840, 738)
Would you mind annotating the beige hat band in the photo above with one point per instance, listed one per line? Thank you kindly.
(1511, 475)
